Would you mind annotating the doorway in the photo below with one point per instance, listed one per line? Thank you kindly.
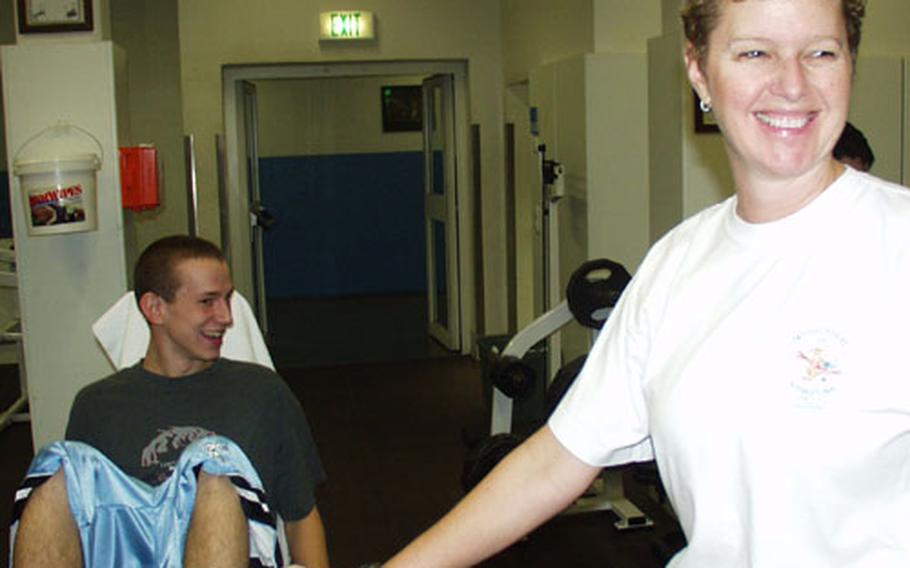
(348, 235)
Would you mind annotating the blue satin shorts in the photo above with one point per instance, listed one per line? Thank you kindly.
(124, 522)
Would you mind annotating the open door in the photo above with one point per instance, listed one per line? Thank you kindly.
(441, 211)
(260, 219)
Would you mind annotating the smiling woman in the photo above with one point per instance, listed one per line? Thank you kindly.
(780, 92)
(772, 406)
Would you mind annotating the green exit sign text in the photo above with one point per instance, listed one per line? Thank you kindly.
(346, 25)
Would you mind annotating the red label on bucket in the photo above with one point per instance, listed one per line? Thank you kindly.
(56, 206)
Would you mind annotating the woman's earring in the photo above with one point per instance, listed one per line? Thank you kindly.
(705, 107)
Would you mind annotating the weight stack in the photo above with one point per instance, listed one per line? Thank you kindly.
(529, 413)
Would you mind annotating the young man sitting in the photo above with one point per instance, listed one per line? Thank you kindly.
(184, 458)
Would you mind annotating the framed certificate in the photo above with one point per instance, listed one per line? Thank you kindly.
(54, 16)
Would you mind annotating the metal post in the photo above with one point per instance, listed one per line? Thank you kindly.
(223, 211)
(192, 200)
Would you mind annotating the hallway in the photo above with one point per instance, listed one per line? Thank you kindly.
(322, 332)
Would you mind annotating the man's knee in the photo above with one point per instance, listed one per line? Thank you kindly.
(47, 534)
(218, 531)
(216, 488)
(49, 498)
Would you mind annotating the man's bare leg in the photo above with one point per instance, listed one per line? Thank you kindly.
(218, 531)
(47, 534)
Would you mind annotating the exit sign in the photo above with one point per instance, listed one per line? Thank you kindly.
(346, 25)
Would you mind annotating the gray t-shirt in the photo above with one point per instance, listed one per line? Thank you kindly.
(142, 421)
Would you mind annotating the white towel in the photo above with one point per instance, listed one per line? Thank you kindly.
(124, 334)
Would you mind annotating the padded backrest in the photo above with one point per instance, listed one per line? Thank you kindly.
(124, 334)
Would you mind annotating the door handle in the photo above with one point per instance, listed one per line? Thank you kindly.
(261, 217)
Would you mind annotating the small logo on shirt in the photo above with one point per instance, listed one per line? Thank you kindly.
(162, 452)
(819, 364)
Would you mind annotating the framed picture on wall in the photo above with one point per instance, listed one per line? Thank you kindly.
(402, 108)
(54, 16)
(704, 121)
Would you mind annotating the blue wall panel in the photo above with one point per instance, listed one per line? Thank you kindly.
(347, 225)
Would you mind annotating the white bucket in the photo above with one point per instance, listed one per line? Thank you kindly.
(60, 194)
(59, 191)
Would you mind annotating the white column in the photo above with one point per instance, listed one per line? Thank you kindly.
(65, 281)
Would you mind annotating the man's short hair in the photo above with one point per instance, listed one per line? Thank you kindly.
(853, 144)
(156, 268)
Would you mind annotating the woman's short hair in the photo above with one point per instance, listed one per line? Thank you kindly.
(156, 268)
(700, 18)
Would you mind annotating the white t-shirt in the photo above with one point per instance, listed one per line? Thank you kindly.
(767, 369)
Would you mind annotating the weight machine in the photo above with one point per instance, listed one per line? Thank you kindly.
(593, 290)
(513, 379)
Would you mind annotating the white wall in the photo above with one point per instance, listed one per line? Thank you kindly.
(593, 120)
(541, 31)
(885, 28)
(328, 116)
(665, 130)
(534, 34)
(876, 106)
(617, 147)
(625, 25)
(540, 36)
(559, 90)
(885, 35)
(147, 32)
